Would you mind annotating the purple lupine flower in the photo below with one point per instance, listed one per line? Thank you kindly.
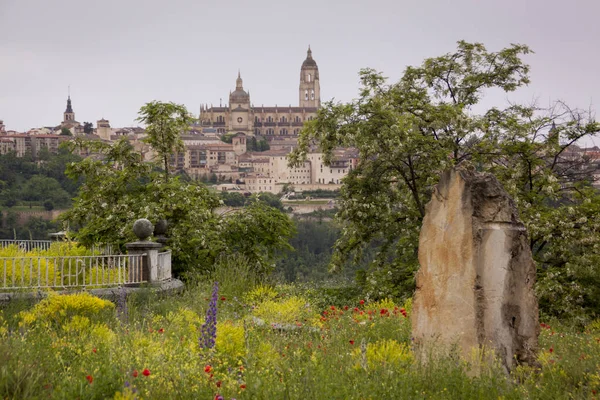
(209, 328)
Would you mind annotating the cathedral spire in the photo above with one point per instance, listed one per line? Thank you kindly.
(69, 114)
(238, 82)
(69, 107)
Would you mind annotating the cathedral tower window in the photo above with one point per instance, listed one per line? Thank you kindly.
(312, 94)
(308, 80)
(306, 95)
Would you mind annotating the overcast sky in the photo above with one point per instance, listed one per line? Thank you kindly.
(117, 55)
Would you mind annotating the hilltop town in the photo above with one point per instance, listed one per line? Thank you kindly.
(224, 141)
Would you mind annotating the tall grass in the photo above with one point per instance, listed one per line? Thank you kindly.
(273, 342)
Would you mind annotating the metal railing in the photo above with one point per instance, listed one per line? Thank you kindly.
(71, 271)
(44, 245)
(26, 245)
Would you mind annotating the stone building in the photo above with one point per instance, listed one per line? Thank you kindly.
(23, 144)
(243, 117)
(268, 171)
(2, 127)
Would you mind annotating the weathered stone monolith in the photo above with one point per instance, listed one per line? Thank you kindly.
(476, 276)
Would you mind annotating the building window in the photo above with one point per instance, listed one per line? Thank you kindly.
(269, 119)
(298, 119)
(312, 94)
(220, 118)
(306, 95)
(296, 131)
(283, 131)
(256, 119)
(283, 119)
(308, 77)
(270, 131)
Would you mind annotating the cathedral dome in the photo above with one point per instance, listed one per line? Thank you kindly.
(239, 95)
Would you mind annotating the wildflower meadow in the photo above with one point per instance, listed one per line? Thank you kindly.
(229, 337)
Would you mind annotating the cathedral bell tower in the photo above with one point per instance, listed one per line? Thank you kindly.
(310, 91)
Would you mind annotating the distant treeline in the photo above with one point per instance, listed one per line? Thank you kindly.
(40, 181)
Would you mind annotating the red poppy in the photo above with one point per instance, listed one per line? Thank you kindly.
(352, 342)
(94, 350)
(218, 383)
(161, 330)
(146, 372)
(355, 309)
(207, 369)
(551, 350)
(135, 373)
(242, 386)
(383, 311)
(362, 302)
(223, 298)
(89, 379)
(332, 307)
(346, 308)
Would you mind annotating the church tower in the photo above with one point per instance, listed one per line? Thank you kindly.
(69, 114)
(310, 91)
(239, 108)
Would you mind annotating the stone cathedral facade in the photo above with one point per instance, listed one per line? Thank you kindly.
(240, 116)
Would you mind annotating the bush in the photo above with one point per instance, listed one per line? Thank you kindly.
(57, 309)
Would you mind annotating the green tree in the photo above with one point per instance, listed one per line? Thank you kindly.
(65, 132)
(165, 122)
(271, 199)
(233, 199)
(40, 188)
(263, 145)
(408, 132)
(48, 205)
(88, 128)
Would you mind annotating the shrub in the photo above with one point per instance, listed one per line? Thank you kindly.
(56, 309)
(288, 310)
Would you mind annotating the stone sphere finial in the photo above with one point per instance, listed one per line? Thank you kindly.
(160, 228)
(143, 228)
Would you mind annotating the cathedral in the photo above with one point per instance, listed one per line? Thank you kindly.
(240, 116)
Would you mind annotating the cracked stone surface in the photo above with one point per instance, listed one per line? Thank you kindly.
(476, 277)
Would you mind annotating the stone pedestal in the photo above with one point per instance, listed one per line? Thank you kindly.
(476, 276)
(150, 271)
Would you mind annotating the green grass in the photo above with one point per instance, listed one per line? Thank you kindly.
(273, 342)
